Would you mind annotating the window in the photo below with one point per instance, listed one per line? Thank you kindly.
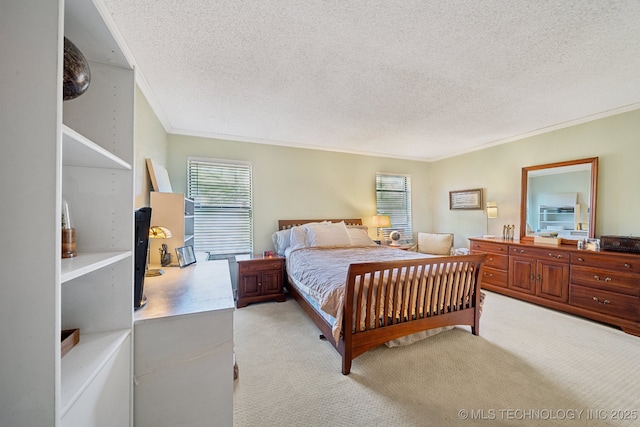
(222, 195)
(393, 198)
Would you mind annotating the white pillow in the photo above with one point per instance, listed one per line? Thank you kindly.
(327, 234)
(298, 237)
(281, 240)
(359, 236)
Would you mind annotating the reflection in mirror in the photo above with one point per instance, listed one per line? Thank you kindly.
(559, 200)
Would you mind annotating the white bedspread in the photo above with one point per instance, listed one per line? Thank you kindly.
(322, 272)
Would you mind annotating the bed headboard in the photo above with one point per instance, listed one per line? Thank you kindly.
(283, 224)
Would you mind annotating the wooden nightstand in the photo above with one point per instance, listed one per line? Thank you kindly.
(260, 278)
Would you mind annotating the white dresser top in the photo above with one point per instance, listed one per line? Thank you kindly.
(201, 287)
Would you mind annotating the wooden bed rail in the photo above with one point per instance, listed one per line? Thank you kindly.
(388, 300)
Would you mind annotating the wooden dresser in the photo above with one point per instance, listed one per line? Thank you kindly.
(599, 285)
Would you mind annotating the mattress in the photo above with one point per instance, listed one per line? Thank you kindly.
(320, 274)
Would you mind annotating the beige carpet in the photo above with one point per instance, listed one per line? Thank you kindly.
(530, 366)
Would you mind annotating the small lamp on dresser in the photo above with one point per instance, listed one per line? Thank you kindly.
(492, 212)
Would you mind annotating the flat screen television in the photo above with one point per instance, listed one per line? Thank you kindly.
(142, 224)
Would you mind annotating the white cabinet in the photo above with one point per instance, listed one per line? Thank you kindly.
(82, 150)
(175, 212)
(184, 348)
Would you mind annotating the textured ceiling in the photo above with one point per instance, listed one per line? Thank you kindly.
(416, 79)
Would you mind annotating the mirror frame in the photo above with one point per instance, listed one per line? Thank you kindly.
(593, 161)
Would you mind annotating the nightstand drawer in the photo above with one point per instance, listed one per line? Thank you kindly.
(611, 303)
(247, 267)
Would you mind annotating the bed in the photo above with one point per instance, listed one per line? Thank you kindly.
(361, 295)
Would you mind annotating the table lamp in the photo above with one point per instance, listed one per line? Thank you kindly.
(158, 232)
(380, 221)
(492, 212)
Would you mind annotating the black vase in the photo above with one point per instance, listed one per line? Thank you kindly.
(77, 75)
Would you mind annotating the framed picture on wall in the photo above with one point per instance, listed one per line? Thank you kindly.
(466, 199)
(185, 255)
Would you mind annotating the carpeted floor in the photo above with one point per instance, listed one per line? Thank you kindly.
(530, 366)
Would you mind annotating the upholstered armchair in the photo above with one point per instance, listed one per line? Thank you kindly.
(435, 243)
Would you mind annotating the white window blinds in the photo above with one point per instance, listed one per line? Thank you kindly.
(393, 198)
(222, 195)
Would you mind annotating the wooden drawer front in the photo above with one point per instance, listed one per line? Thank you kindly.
(622, 263)
(606, 279)
(248, 267)
(611, 303)
(491, 276)
(494, 248)
(540, 253)
(501, 262)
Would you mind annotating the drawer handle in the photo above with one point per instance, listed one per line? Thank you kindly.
(580, 259)
(627, 265)
(601, 302)
(489, 259)
(555, 256)
(520, 251)
(605, 280)
(488, 275)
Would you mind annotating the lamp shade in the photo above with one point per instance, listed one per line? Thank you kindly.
(380, 221)
(492, 210)
(157, 232)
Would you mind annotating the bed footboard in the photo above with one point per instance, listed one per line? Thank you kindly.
(388, 300)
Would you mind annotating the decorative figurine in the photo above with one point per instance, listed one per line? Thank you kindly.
(165, 256)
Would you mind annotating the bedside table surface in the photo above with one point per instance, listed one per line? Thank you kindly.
(258, 257)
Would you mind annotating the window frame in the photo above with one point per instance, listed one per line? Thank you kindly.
(401, 222)
(225, 240)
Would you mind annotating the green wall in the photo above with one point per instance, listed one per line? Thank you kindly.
(296, 183)
(302, 183)
(151, 141)
(615, 140)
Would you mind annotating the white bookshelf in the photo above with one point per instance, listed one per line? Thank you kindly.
(80, 150)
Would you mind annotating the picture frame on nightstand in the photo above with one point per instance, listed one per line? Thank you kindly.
(186, 256)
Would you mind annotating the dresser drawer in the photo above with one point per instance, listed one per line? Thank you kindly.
(501, 262)
(482, 247)
(622, 263)
(606, 279)
(492, 276)
(550, 254)
(247, 267)
(611, 303)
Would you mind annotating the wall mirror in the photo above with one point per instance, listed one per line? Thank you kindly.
(559, 200)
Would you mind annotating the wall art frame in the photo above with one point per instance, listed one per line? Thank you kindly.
(466, 199)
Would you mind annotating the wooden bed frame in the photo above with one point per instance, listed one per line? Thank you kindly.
(454, 282)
